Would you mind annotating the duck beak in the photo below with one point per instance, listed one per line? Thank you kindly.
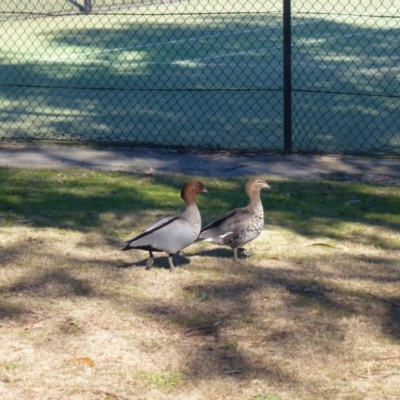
(205, 190)
(266, 186)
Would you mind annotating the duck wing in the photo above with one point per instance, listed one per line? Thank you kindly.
(226, 225)
(149, 232)
(169, 235)
(161, 223)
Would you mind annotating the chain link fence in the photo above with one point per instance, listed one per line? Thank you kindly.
(314, 76)
(346, 76)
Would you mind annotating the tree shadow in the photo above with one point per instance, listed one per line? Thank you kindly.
(130, 83)
(80, 202)
(9, 311)
(312, 309)
(160, 262)
(207, 324)
(54, 283)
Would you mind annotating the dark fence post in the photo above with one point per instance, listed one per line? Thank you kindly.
(87, 8)
(287, 77)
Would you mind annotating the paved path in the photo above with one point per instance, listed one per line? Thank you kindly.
(195, 164)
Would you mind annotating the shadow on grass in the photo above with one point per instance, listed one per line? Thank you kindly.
(241, 302)
(391, 325)
(52, 284)
(9, 311)
(314, 314)
(217, 252)
(160, 261)
(82, 199)
(311, 312)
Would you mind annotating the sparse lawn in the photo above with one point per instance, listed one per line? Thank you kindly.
(314, 314)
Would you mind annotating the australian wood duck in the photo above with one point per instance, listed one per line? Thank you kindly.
(172, 234)
(240, 225)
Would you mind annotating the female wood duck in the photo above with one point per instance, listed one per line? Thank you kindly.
(240, 225)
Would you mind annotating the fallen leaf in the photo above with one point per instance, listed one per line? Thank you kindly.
(85, 360)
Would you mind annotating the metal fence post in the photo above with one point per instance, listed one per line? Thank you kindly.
(287, 77)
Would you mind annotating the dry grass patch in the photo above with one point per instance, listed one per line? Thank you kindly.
(314, 314)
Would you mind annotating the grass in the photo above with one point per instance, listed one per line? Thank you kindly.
(314, 314)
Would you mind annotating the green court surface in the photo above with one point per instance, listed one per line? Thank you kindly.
(204, 74)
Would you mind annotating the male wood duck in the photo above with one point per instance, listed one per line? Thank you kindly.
(172, 234)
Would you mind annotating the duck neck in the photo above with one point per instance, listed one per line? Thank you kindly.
(190, 201)
(255, 201)
(191, 204)
(191, 212)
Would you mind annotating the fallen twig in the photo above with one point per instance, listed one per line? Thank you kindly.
(203, 330)
(109, 394)
(382, 374)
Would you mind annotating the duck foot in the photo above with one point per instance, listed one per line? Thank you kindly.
(246, 253)
(149, 263)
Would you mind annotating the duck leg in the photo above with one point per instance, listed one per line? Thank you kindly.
(235, 255)
(150, 261)
(171, 262)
